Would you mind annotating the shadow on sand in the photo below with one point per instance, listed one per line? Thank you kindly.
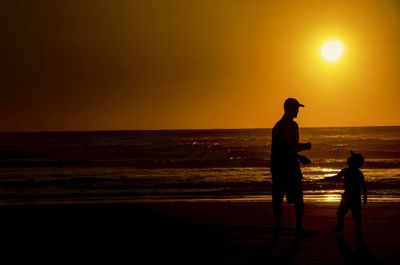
(282, 252)
(361, 255)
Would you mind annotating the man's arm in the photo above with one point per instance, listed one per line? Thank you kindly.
(364, 189)
(303, 146)
(303, 159)
(294, 137)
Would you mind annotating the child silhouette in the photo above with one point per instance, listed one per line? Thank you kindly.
(354, 182)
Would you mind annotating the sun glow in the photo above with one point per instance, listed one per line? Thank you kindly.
(332, 50)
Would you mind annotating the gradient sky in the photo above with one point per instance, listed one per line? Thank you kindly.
(160, 64)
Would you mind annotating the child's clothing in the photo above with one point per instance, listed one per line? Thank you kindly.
(353, 180)
(351, 198)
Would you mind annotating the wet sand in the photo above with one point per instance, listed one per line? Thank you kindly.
(194, 233)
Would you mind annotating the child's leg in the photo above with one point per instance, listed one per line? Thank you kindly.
(341, 213)
(356, 213)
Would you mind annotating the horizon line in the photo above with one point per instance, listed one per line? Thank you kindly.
(193, 129)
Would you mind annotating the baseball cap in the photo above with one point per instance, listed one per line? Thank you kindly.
(291, 103)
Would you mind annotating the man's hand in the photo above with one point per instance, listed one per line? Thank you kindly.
(303, 146)
(307, 146)
(304, 160)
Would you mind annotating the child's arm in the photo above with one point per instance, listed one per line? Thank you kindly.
(337, 177)
(364, 189)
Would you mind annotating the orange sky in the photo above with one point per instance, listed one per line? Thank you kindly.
(107, 65)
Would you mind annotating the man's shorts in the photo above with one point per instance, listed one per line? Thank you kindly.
(292, 188)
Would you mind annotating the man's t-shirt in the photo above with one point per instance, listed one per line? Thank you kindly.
(283, 161)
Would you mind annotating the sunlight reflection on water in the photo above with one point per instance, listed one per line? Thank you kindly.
(330, 198)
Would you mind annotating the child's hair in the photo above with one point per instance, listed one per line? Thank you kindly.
(355, 160)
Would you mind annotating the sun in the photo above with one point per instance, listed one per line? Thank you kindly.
(332, 50)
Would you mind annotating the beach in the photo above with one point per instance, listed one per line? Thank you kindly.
(194, 232)
(189, 197)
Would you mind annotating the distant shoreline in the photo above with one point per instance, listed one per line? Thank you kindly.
(331, 201)
(201, 129)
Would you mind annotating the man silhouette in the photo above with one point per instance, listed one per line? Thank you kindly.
(284, 164)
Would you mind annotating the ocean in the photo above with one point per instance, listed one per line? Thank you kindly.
(231, 164)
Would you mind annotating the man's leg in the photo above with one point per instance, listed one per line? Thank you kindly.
(277, 199)
(299, 210)
(298, 204)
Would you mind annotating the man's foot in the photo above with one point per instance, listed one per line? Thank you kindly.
(337, 231)
(302, 234)
(277, 232)
(359, 236)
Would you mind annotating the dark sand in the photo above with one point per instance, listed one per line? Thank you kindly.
(193, 233)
